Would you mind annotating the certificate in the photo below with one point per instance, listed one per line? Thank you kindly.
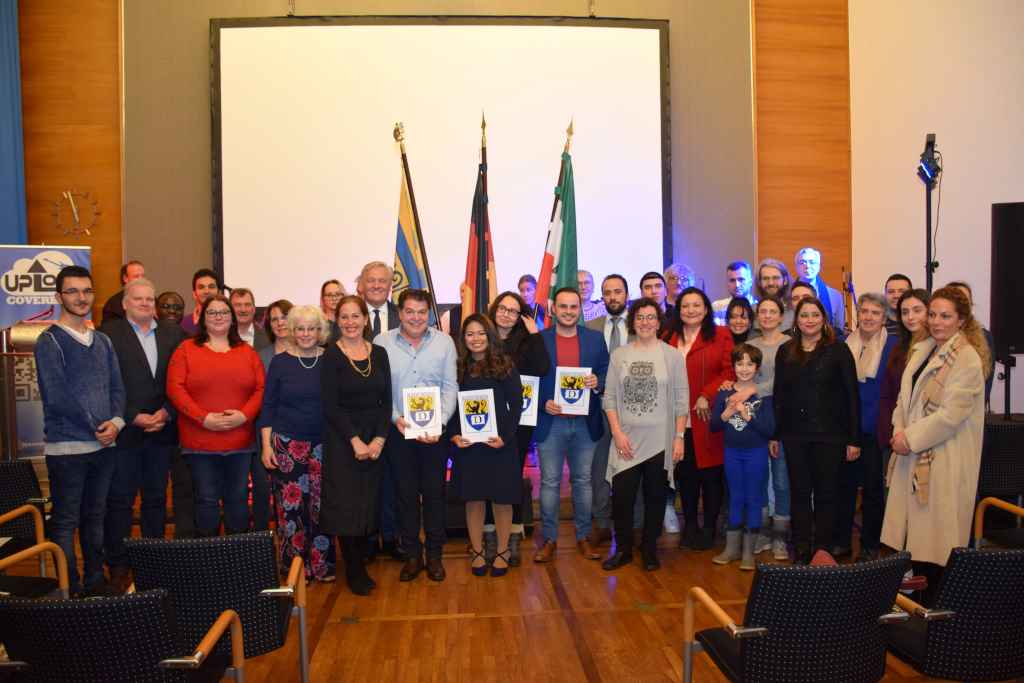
(476, 412)
(422, 411)
(570, 392)
(531, 393)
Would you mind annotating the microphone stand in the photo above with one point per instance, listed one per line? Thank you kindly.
(928, 171)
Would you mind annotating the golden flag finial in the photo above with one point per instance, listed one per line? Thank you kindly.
(568, 136)
(483, 129)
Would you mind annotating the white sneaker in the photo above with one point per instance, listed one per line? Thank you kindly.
(779, 550)
(671, 520)
(762, 543)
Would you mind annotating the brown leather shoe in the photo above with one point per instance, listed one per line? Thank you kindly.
(546, 552)
(435, 569)
(413, 566)
(601, 536)
(587, 550)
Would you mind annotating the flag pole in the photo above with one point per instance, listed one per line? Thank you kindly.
(565, 150)
(399, 134)
(482, 230)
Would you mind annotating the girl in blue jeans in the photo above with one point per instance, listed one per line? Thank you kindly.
(748, 422)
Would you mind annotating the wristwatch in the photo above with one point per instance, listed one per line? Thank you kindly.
(681, 435)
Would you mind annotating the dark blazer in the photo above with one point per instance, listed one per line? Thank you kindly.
(260, 340)
(393, 322)
(594, 355)
(145, 393)
(114, 308)
(819, 400)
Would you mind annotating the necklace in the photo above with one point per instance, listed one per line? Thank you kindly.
(316, 359)
(369, 364)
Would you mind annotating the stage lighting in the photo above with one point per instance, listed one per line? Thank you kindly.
(928, 168)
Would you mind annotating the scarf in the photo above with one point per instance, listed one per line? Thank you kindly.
(868, 356)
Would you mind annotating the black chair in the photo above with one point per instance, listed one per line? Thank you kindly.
(803, 624)
(205, 576)
(19, 486)
(31, 586)
(975, 631)
(131, 637)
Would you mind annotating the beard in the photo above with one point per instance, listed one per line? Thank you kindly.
(615, 309)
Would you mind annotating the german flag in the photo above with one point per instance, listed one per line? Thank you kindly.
(480, 287)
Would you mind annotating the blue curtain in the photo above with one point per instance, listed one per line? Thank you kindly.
(13, 226)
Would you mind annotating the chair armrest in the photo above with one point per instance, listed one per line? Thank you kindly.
(41, 500)
(228, 617)
(38, 549)
(27, 509)
(698, 595)
(294, 586)
(979, 514)
(911, 607)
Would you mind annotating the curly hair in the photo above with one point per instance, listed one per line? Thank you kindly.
(971, 329)
(496, 364)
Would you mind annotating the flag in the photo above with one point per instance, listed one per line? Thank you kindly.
(480, 287)
(410, 268)
(558, 269)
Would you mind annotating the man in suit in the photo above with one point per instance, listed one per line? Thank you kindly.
(113, 309)
(573, 437)
(612, 326)
(808, 269)
(144, 446)
(244, 304)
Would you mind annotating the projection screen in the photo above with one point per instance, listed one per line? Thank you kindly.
(306, 173)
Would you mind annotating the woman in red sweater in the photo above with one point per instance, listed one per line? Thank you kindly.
(215, 381)
(707, 348)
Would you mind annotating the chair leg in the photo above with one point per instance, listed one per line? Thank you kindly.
(303, 647)
(237, 675)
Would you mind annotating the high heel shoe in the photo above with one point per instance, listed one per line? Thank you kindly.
(481, 570)
(500, 571)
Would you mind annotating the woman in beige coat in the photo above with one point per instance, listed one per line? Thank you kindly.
(937, 431)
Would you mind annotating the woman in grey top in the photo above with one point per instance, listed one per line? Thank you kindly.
(647, 401)
(770, 313)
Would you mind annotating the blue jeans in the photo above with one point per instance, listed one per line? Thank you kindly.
(568, 439)
(778, 485)
(79, 485)
(746, 472)
(218, 477)
(144, 467)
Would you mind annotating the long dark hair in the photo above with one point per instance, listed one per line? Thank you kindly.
(519, 332)
(902, 348)
(828, 335)
(495, 364)
(707, 325)
(202, 336)
(740, 302)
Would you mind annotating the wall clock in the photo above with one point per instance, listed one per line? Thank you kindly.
(76, 213)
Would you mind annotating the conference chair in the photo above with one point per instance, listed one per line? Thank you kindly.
(1007, 538)
(19, 486)
(205, 576)
(803, 624)
(30, 586)
(131, 637)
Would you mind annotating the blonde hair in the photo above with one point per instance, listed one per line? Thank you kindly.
(971, 329)
(138, 282)
(300, 314)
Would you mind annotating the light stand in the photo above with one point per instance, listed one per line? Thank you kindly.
(928, 171)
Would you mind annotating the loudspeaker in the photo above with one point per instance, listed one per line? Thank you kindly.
(1007, 315)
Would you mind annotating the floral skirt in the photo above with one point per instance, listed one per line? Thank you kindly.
(296, 482)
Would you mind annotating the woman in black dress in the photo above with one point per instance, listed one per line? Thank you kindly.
(488, 471)
(518, 334)
(356, 391)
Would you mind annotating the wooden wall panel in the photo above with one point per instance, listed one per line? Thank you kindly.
(70, 69)
(802, 103)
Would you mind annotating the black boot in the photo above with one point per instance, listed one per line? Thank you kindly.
(353, 551)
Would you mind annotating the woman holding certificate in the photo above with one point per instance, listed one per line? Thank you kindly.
(646, 400)
(487, 466)
(355, 386)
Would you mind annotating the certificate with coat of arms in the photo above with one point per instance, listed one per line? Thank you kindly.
(476, 411)
(531, 392)
(422, 411)
(570, 392)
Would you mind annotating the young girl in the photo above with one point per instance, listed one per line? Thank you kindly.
(748, 422)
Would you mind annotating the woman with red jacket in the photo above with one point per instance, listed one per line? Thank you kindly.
(215, 381)
(707, 349)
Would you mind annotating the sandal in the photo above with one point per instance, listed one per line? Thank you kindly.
(501, 571)
(477, 571)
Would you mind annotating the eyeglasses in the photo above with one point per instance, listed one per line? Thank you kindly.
(218, 314)
(172, 307)
(508, 311)
(76, 292)
(649, 318)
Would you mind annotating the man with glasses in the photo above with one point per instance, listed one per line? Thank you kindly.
(83, 407)
(772, 279)
(170, 308)
(205, 283)
(808, 269)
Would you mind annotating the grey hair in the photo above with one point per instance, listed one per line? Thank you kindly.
(872, 298)
(139, 282)
(309, 314)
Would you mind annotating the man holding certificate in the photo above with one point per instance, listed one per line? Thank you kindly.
(569, 424)
(423, 396)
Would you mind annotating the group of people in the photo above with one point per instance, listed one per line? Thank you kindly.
(763, 401)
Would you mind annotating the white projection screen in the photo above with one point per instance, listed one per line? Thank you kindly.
(306, 173)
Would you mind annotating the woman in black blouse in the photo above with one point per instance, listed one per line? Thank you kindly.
(817, 418)
(518, 334)
(356, 390)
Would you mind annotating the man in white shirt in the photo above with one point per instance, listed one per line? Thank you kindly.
(739, 283)
(375, 288)
(244, 304)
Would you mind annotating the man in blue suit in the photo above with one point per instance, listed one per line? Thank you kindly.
(573, 437)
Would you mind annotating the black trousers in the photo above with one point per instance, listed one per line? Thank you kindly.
(260, 493)
(651, 474)
(813, 468)
(418, 470)
(867, 471)
(182, 497)
(692, 483)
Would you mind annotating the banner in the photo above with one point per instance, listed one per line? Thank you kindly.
(531, 392)
(29, 280)
(479, 420)
(571, 392)
(421, 407)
